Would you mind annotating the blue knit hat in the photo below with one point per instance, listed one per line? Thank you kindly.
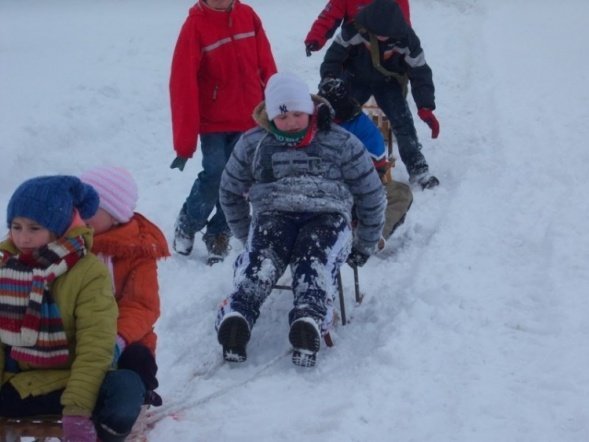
(51, 200)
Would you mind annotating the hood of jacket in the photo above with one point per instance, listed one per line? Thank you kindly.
(383, 18)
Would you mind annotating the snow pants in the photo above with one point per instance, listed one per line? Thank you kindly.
(204, 196)
(389, 96)
(314, 245)
(119, 403)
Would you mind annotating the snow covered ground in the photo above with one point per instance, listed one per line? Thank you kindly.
(474, 325)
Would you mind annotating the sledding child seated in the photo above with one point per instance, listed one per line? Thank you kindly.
(130, 245)
(301, 176)
(349, 115)
(58, 316)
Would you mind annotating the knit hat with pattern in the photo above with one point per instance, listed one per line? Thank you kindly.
(285, 92)
(51, 200)
(117, 190)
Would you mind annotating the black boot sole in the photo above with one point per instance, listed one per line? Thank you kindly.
(234, 335)
(306, 343)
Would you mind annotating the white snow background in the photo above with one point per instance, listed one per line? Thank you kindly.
(474, 325)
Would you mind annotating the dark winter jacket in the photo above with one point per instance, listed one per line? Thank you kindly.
(329, 175)
(220, 67)
(335, 12)
(401, 54)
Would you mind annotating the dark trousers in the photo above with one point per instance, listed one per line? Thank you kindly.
(314, 245)
(119, 403)
(204, 196)
(391, 100)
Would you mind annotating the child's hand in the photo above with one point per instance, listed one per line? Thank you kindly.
(311, 46)
(178, 163)
(427, 115)
(78, 429)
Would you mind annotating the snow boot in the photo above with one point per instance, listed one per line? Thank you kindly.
(424, 180)
(305, 339)
(233, 335)
(217, 247)
(183, 242)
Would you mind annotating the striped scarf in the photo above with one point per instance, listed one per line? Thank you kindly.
(30, 320)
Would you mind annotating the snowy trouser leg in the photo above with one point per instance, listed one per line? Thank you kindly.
(322, 246)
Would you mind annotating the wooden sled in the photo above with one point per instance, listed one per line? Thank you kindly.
(40, 428)
(342, 304)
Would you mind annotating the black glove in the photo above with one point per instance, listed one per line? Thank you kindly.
(178, 163)
(324, 117)
(333, 88)
(152, 398)
(311, 46)
(138, 358)
(357, 258)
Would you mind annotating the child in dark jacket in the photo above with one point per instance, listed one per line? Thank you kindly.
(300, 180)
(130, 245)
(380, 56)
(56, 344)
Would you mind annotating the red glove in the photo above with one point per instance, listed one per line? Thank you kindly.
(427, 115)
(78, 429)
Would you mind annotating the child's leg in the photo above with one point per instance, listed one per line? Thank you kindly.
(322, 246)
(119, 402)
(260, 265)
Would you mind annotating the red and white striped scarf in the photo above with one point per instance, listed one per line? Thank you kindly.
(30, 320)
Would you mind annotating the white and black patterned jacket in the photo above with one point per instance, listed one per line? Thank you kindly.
(332, 174)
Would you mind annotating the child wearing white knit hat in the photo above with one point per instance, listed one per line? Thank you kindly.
(130, 245)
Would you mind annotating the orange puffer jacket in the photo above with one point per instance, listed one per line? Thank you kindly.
(134, 249)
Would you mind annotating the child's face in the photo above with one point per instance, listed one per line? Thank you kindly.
(28, 235)
(102, 221)
(292, 121)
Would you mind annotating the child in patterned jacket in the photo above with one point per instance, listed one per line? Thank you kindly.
(301, 176)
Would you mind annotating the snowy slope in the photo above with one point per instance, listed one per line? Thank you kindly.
(474, 324)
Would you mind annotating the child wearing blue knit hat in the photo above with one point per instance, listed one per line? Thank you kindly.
(58, 316)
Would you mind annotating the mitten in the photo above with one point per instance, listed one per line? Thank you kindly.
(311, 46)
(332, 88)
(324, 117)
(427, 115)
(357, 258)
(78, 429)
(152, 398)
(138, 357)
(178, 163)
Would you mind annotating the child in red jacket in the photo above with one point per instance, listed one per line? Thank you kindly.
(331, 17)
(130, 245)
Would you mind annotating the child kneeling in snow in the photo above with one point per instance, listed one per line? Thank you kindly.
(58, 317)
(301, 176)
(130, 245)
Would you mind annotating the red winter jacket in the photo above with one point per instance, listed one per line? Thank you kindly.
(220, 67)
(335, 11)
